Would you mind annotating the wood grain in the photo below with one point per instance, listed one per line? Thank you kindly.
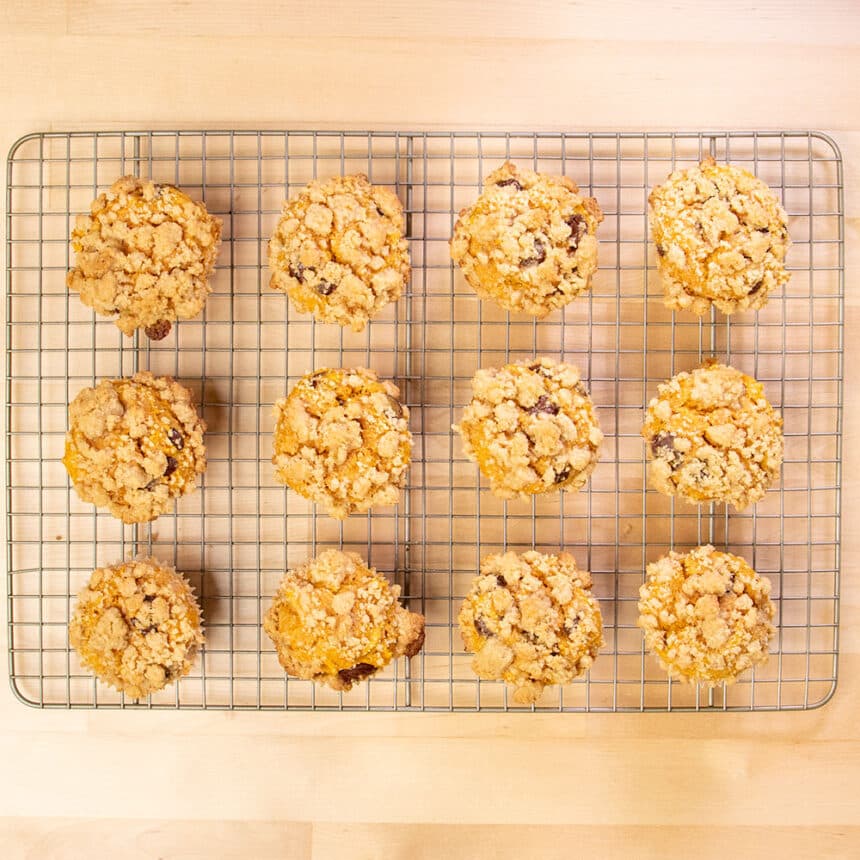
(328, 785)
(134, 839)
(775, 21)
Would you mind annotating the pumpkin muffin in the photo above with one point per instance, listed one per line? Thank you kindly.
(337, 621)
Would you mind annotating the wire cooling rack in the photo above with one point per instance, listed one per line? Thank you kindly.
(238, 533)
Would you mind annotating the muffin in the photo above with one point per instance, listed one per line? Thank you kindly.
(144, 255)
(531, 428)
(528, 241)
(342, 439)
(338, 251)
(706, 615)
(721, 238)
(134, 444)
(337, 621)
(137, 626)
(712, 436)
(530, 620)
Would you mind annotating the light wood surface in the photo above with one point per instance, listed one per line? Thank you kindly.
(412, 786)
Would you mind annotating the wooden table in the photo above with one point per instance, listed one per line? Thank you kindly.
(397, 785)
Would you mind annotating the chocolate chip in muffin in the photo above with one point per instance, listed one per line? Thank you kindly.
(176, 437)
(663, 444)
(544, 406)
(172, 466)
(482, 628)
(563, 475)
(513, 182)
(325, 288)
(415, 645)
(297, 271)
(578, 229)
(538, 258)
(537, 367)
(314, 378)
(144, 630)
(357, 673)
(396, 407)
(158, 330)
(662, 440)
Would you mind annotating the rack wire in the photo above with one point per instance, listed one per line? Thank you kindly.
(240, 531)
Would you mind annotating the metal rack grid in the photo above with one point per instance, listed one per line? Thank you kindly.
(236, 535)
